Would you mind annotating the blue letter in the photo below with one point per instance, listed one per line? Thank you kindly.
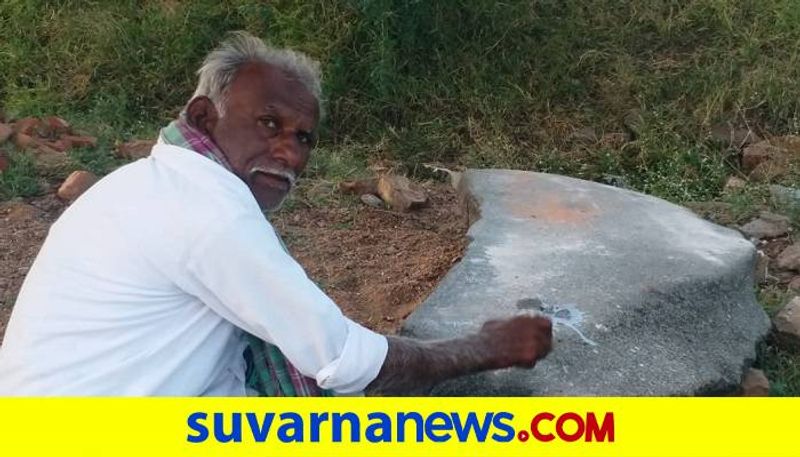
(463, 431)
(430, 427)
(355, 427)
(296, 425)
(402, 418)
(194, 424)
(316, 424)
(260, 432)
(498, 424)
(384, 424)
(236, 430)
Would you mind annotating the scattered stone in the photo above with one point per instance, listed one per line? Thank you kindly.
(755, 383)
(759, 153)
(767, 160)
(56, 126)
(787, 324)
(371, 200)
(734, 184)
(785, 196)
(665, 297)
(360, 187)
(76, 184)
(789, 259)
(767, 225)
(584, 135)
(794, 284)
(400, 193)
(61, 145)
(23, 141)
(27, 125)
(731, 136)
(5, 132)
(770, 170)
(135, 149)
(783, 277)
(81, 141)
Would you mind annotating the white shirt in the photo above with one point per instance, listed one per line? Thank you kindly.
(143, 284)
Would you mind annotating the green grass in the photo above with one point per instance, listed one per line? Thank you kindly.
(461, 82)
(782, 369)
(20, 179)
(469, 82)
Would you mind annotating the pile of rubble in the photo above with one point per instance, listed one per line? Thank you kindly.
(768, 161)
(49, 139)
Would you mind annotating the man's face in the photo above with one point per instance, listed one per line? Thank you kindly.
(267, 131)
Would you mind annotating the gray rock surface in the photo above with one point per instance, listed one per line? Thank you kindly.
(648, 298)
(789, 258)
(767, 225)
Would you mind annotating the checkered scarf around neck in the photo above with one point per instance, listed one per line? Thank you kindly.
(268, 372)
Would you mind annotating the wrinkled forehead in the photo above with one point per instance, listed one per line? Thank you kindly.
(259, 86)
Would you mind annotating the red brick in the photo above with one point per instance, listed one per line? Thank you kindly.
(56, 125)
(27, 125)
(80, 141)
(76, 184)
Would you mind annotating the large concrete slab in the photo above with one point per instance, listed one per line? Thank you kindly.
(649, 298)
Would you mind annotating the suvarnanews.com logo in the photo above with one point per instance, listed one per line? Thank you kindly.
(399, 427)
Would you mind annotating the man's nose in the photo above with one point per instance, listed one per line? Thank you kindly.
(286, 150)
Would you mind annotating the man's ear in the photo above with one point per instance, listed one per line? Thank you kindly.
(201, 113)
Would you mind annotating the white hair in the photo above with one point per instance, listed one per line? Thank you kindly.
(221, 65)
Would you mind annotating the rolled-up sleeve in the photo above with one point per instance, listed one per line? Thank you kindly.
(243, 274)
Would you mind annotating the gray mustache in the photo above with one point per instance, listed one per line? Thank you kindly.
(288, 174)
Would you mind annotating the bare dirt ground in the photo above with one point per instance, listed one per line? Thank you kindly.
(376, 264)
(23, 228)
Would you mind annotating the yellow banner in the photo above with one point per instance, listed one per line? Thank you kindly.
(356, 427)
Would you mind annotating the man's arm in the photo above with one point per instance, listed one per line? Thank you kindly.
(414, 367)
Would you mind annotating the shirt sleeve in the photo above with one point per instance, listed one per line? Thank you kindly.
(243, 273)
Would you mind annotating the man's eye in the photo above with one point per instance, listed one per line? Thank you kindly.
(305, 138)
(269, 123)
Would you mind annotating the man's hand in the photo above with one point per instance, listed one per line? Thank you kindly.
(520, 341)
(414, 367)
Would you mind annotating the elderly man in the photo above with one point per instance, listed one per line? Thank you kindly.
(165, 278)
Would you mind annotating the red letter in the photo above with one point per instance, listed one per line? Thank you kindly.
(535, 427)
(560, 427)
(603, 432)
